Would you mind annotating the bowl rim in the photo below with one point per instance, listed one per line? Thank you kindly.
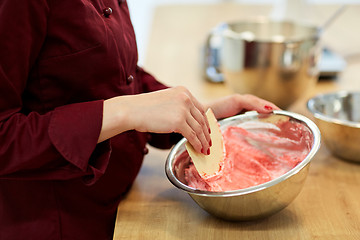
(315, 147)
(319, 115)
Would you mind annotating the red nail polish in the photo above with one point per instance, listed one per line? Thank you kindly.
(209, 131)
(210, 143)
(208, 151)
(202, 151)
(268, 107)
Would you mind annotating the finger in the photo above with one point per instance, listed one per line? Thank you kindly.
(196, 119)
(199, 114)
(251, 102)
(200, 134)
(201, 119)
(192, 138)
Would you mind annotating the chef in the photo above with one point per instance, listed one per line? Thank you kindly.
(76, 113)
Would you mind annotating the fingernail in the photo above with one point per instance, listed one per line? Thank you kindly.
(210, 143)
(202, 151)
(268, 107)
(209, 131)
(208, 151)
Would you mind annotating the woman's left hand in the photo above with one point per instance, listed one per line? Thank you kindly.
(234, 104)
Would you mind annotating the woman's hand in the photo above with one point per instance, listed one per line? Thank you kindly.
(165, 111)
(231, 105)
(173, 110)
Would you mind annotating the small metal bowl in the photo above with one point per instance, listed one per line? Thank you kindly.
(254, 202)
(338, 117)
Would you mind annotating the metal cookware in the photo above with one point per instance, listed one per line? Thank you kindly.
(275, 60)
(253, 202)
(338, 116)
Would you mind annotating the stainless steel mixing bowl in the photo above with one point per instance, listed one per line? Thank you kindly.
(253, 202)
(338, 117)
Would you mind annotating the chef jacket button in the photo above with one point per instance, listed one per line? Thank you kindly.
(107, 12)
(130, 79)
(145, 150)
(148, 137)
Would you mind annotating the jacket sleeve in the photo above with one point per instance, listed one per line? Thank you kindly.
(148, 81)
(61, 144)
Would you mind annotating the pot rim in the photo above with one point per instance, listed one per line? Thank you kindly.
(227, 31)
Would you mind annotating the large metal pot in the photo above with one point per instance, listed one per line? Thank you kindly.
(276, 61)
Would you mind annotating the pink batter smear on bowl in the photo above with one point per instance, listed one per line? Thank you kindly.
(254, 156)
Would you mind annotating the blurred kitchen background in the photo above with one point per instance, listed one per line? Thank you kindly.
(312, 11)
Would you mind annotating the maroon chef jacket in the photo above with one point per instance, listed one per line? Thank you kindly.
(59, 60)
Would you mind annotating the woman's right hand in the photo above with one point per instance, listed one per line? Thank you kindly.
(164, 111)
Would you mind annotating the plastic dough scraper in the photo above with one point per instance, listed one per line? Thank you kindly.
(209, 165)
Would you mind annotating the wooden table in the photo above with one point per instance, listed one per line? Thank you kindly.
(328, 207)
